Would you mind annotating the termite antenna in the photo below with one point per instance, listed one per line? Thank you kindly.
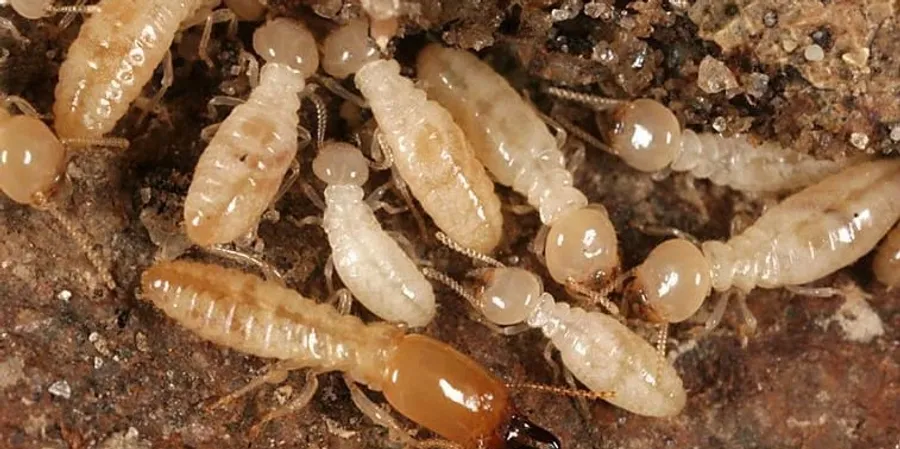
(580, 134)
(452, 284)
(662, 336)
(568, 392)
(470, 253)
(596, 102)
(436, 443)
(38, 9)
(336, 88)
(80, 238)
(87, 142)
(321, 114)
(387, 156)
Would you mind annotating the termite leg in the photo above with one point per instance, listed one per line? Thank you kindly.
(385, 158)
(401, 186)
(221, 100)
(306, 395)
(749, 325)
(208, 132)
(692, 195)
(214, 17)
(289, 180)
(166, 82)
(10, 28)
(582, 135)
(815, 292)
(276, 373)
(548, 357)
(518, 209)
(246, 59)
(596, 297)
(378, 414)
(341, 299)
(336, 88)
(718, 311)
(328, 271)
(581, 402)
(69, 17)
(375, 203)
(22, 104)
(576, 158)
(664, 231)
(538, 244)
(312, 195)
(269, 271)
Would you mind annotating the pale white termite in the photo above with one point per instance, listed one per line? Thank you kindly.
(648, 137)
(430, 152)
(425, 380)
(887, 259)
(517, 148)
(114, 56)
(32, 170)
(239, 173)
(598, 349)
(809, 235)
(370, 263)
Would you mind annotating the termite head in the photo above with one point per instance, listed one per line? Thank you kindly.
(32, 9)
(672, 282)
(32, 159)
(340, 163)
(523, 434)
(288, 42)
(247, 10)
(347, 49)
(507, 295)
(582, 246)
(646, 134)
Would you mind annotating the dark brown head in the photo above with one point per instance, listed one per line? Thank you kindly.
(524, 434)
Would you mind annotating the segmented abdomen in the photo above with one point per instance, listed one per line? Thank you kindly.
(371, 264)
(812, 233)
(737, 163)
(240, 171)
(261, 318)
(114, 56)
(509, 138)
(607, 356)
(433, 157)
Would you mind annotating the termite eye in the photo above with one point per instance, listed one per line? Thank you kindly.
(341, 164)
(646, 135)
(288, 42)
(347, 49)
(524, 434)
(509, 295)
(31, 9)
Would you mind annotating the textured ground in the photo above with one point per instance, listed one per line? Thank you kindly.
(81, 367)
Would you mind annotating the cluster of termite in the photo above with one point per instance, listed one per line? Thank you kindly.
(448, 139)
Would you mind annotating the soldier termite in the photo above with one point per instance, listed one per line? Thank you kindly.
(369, 261)
(117, 50)
(515, 145)
(648, 137)
(809, 235)
(429, 151)
(887, 259)
(239, 173)
(599, 350)
(425, 380)
(32, 170)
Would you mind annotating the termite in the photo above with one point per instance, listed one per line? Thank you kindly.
(239, 173)
(516, 147)
(647, 136)
(887, 260)
(425, 380)
(598, 349)
(429, 150)
(809, 235)
(32, 170)
(114, 56)
(370, 263)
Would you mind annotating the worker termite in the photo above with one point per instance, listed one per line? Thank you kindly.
(517, 148)
(239, 173)
(887, 260)
(117, 50)
(430, 152)
(648, 137)
(599, 350)
(809, 235)
(370, 263)
(425, 380)
(32, 170)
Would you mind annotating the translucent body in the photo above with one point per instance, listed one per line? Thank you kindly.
(887, 259)
(600, 351)
(32, 159)
(673, 281)
(240, 171)
(741, 165)
(812, 233)
(371, 264)
(422, 378)
(582, 245)
(31, 9)
(509, 138)
(433, 157)
(114, 56)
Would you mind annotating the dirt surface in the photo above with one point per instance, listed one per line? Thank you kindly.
(81, 367)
